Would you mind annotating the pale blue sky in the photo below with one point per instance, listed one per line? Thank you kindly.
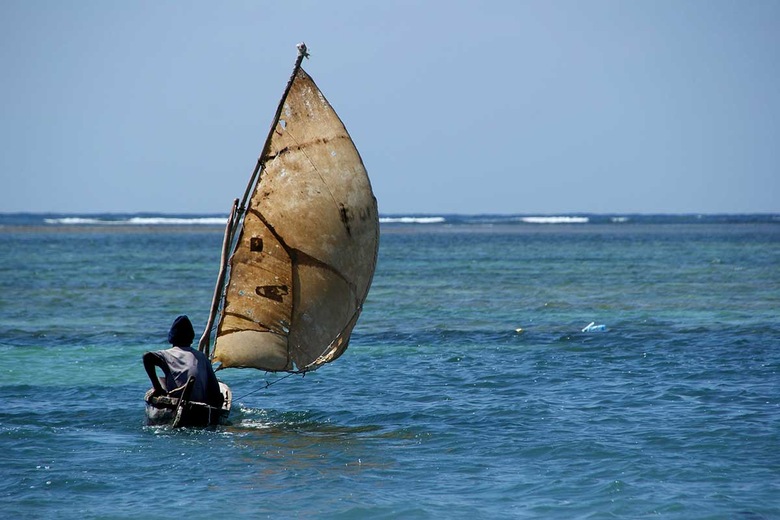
(541, 107)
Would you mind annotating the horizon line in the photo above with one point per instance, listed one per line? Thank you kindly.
(415, 214)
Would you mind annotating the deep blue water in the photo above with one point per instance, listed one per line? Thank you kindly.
(468, 391)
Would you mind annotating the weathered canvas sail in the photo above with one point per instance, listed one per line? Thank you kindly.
(305, 250)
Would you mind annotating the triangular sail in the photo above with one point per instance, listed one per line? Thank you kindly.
(306, 248)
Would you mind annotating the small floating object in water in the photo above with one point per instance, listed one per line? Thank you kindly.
(519, 330)
(592, 327)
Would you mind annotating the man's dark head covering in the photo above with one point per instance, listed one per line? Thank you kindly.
(181, 332)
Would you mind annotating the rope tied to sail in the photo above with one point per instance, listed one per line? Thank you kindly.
(268, 384)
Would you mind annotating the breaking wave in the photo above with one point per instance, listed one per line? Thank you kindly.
(389, 220)
(411, 220)
(137, 221)
(555, 220)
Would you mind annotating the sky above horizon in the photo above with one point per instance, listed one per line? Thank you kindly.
(529, 107)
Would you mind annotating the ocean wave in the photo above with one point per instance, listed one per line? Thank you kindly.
(73, 221)
(136, 221)
(151, 221)
(411, 220)
(555, 220)
(390, 220)
(205, 220)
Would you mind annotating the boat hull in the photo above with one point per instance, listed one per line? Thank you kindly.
(170, 411)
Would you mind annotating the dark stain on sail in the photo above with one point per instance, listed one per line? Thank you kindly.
(280, 152)
(301, 146)
(256, 244)
(346, 218)
(272, 292)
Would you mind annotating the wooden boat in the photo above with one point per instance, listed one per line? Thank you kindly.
(179, 412)
(300, 247)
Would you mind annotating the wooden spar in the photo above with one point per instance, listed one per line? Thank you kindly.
(261, 160)
(205, 340)
(238, 211)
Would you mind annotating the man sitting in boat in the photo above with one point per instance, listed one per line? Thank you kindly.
(179, 364)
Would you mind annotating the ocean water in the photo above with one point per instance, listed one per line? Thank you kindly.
(468, 391)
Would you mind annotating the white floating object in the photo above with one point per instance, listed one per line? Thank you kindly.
(592, 327)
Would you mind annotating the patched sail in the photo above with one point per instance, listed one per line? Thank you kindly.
(305, 252)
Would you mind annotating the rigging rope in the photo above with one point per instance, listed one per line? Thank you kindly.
(267, 384)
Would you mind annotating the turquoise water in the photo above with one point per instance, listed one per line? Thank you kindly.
(468, 391)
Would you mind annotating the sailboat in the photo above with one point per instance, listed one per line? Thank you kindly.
(298, 255)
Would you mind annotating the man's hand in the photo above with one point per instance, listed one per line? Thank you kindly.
(158, 392)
